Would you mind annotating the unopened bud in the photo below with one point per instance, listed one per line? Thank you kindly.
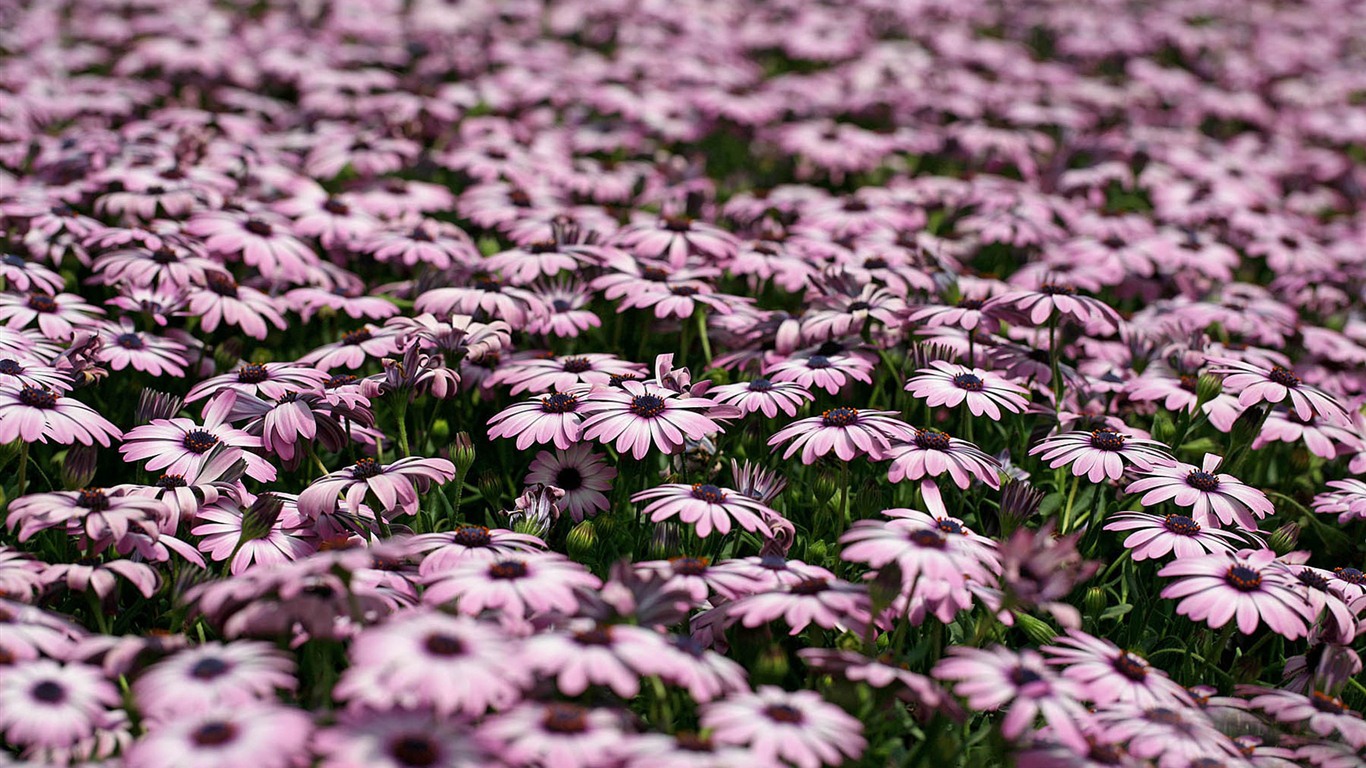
(1208, 387)
(259, 518)
(582, 541)
(1036, 629)
(772, 665)
(227, 354)
(9, 452)
(885, 587)
(665, 541)
(825, 488)
(78, 468)
(490, 486)
(1096, 601)
(1019, 502)
(1164, 431)
(154, 405)
(1284, 539)
(462, 453)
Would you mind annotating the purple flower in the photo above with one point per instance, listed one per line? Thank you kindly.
(1254, 384)
(261, 735)
(395, 487)
(399, 739)
(221, 300)
(47, 705)
(826, 602)
(554, 418)
(202, 678)
(1157, 536)
(1101, 453)
(996, 678)
(1249, 586)
(849, 432)
(796, 727)
(1108, 673)
(705, 507)
(1211, 496)
(946, 384)
(517, 586)
(582, 474)
(612, 656)
(181, 447)
(1319, 712)
(34, 414)
(762, 395)
(557, 734)
(641, 414)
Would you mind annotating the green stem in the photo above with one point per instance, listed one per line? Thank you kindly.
(1067, 510)
(844, 500)
(23, 466)
(701, 316)
(1054, 365)
(402, 413)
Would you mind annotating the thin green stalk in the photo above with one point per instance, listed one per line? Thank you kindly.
(402, 412)
(1067, 510)
(23, 466)
(701, 317)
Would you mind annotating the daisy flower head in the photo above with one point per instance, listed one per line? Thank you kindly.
(563, 373)
(1109, 673)
(430, 660)
(831, 370)
(399, 739)
(467, 540)
(849, 432)
(1213, 498)
(1249, 586)
(557, 734)
(641, 414)
(1101, 453)
(1155, 536)
(1168, 734)
(395, 488)
(827, 602)
(516, 586)
(582, 474)
(614, 656)
(266, 380)
(797, 727)
(223, 301)
(1021, 682)
(36, 414)
(763, 396)
(211, 675)
(678, 240)
(47, 705)
(179, 446)
(124, 347)
(929, 453)
(58, 316)
(1053, 300)
(260, 735)
(1317, 711)
(1255, 384)
(948, 384)
(705, 507)
(553, 418)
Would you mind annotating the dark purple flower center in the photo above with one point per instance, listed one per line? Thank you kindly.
(859, 306)
(543, 246)
(709, 493)
(654, 274)
(208, 668)
(616, 379)
(599, 636)
(970, 304)
(415, 749)
(37, 397)
(1201, 480)
(818, 362)
(164, 256)
(932, 440)
(561, 305)
(683, 290)
(811, 586)
(761, 385)
(1189, 382)
(439, 644)
(928, 538)
(1022, 676)
(559, 403)
(41, 302)
(221, 284)
(93, 499)
(1350, 575)
(1181, 525)
(1313, 579)
(1283, 377)
(677, 223)
(214, 734)
(356, 336)
(337, 207)
(11, 367)
(472, 536)
(1329, 704)
(49, 692)
(199, 441)
(1057, 289)
(565, 718)
(782, 713)
(508, 569)
(577, 365)
(569, 479)
(258, 227)
(1243, 579)
(854, 205)
(1107, 440)
(647, 406)
(253, 373)
(773, 563)
(171, 481)
(13, 260)
(366, 468)
(340, 380)
(840, 417)
(946, 525)
(1131, 666)
(1163, 716)
(968, 381)
(875, 262)
(689, 566)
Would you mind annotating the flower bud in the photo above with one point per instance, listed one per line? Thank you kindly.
(1164, 431)
(490, 486)
(582, 541)
(441, 431)
(260, 517)
(1036, 629)
(772, 665)
(885, 587)
(9, 452)
(1096, 601)
(462, 453)
(665, 541)
(78, 468)
(824, 488)
(156, 405)
(1208, 387)
(1284, 539)
(227, 354)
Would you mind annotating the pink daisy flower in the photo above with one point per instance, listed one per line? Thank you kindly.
(211, 675)
(270, 381)
(705, 507)
(392, 487)
(997, 677)
(612, 656)
(1326, 715)
(583, 475)
(764, 396)
(58, 316)
(1108, 673)
(1250, 586)
(222, 301)
(640, 414)
(18, 370)
(930, 453)
(555, 418)
(831, 372)
(1210, 496)
(181, 447)
(947, 384)
(354, 348)
(557, 734)
(124, 346)
(1254, 384)
(262, 240)
(828, 603)
(445, 548)
(567, 313)
(797, 727)
(1054, 300)
(1101, 453)
(101, 517)
(47, 705)
(23, 275)
(563, 374)
(516, 587)
(1157, 536)
(429, 660)
(260, 735)
(932, 565)
(422, 241)
(849, 432)
(34, 414)
(399, 739)
(677, 240)
(252, 532)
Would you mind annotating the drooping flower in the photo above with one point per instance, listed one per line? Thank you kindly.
(1249, 586)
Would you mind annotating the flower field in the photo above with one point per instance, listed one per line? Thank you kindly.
(645, 384)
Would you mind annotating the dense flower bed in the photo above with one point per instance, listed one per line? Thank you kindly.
(650, 383)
